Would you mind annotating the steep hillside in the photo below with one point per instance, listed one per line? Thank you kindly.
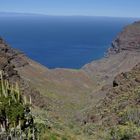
(117, 116)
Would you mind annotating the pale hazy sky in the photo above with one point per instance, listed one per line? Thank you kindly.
(114, 8)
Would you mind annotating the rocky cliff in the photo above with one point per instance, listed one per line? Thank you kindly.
(8, 61)
(128, 39)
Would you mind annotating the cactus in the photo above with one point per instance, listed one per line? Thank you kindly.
(2, 84)
(15, 113)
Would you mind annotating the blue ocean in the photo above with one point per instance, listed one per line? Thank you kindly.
(60, 41)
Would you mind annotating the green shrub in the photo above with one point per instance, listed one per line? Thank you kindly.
(16, 119)
(124, 132)
(130, 114)
(64, 138)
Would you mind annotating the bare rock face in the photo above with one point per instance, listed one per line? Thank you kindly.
(125, 77)
(6, 65)
(128, 39)
(17, 58)
(10, 60)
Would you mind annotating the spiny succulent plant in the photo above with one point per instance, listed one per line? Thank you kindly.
(16, 119)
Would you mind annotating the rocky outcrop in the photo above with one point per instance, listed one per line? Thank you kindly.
(7, 55)
(128, 39)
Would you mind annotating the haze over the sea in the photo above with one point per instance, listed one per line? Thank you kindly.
(109, 8)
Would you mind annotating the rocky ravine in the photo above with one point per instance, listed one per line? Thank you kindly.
(66, 91)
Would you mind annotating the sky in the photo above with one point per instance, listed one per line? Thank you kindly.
(112, 8)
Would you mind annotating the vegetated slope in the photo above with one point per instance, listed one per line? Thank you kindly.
(117, 116)
(16, 119)
(68, 89)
